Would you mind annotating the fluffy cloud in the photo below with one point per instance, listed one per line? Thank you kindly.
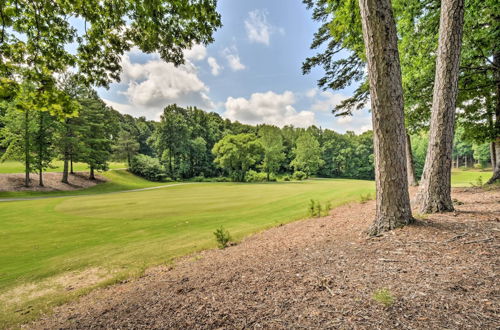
(269, 108)
(359, 122)
(258, 29)
(233, 59)
(326, 100)
(196, 53)
(152, 85)
(215, 68)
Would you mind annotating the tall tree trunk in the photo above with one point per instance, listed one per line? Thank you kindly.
(412, 180)
(458, 162)
(41, 137)
(379, 33)
(435, 186)
(71, 164)
(92, 175)
(65, 168)
(27, 168)
(493, 156)
(466, 164)
(496, 164)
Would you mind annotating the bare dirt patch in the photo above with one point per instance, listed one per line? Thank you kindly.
(441, 272)
(52, 182)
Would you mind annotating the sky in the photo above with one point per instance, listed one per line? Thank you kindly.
(250, 73)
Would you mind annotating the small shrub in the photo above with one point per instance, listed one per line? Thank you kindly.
(147, 167)
(312, 208)
(200, 178)
(299, 175)
(328, 207)
(286, 178)
(479, 166)
(318, 209)
(365, 198)
(253, 176)
(222, 237)
(222, 179)
(384, 297)
(479, 182)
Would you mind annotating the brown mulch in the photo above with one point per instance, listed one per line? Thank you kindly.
(320, 273)
(51, 180)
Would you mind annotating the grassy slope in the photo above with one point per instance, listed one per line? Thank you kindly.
(127, 232)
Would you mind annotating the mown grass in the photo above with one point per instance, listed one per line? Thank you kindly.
(124, 233)
(11, 166)
(467, 178)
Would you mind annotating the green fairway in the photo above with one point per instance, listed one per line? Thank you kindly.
(120, 234)
(11, 166)
(467, 178)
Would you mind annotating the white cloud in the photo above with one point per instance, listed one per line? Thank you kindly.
(359, 122)
(312, 93)
(233, 59)
(327, 101)
(215, 68)
(152, 85)
(196, 53)
(258, 29)
(269, 108)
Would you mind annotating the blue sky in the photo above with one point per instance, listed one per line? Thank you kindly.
(251, 73)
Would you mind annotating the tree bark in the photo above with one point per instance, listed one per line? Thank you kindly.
(65, 168)
(493, 156)
(41, 137)
(412, 180)
(435, 186)
(71, 164)
(379, 33)
(496, 164)
(27, 168)
(92, 175)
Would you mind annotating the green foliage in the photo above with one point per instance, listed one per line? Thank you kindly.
(286, 178)
(272, 142)
(307, 153)
(479, 182)
(253, 176)
(315, 209)
(299, 175)
(147, 167)
(126, 146)
(237, 154)
(384, 297)
(365, 198)
(222, 237)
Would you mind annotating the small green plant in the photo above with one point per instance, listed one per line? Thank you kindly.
(384, 297)
(365, 198)
(328, 207)
(479, 182)
(315, 209)
(299, 175)
(312, 208)
(222, 237)
(286, 178)
(318, 209)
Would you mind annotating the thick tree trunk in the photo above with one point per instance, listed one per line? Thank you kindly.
(92, 175)
(27, 168)
(435, 186)
(493, 156)
(379, 33)
(496, 164)
(65, 168)
(412, 180)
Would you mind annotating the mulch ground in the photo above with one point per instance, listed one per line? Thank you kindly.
(52, 182)
(441, 272)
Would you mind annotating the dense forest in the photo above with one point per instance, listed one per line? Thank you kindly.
(190, 143)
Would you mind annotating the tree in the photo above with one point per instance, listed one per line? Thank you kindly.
(126, 146)
(435, 189)
(237, 154)
(307, 153)
(96, 134)
(272, 142)
(393, 208)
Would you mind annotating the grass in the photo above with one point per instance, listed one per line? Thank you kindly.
(465, 178)
(119, 180)
(11, 166)
(41, 240)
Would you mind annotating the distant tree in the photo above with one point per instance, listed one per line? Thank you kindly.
(96, 134)
(482, 153)
(272, 142)
(126, 146)
(44, 149)
(307, 153)
(237, 154)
